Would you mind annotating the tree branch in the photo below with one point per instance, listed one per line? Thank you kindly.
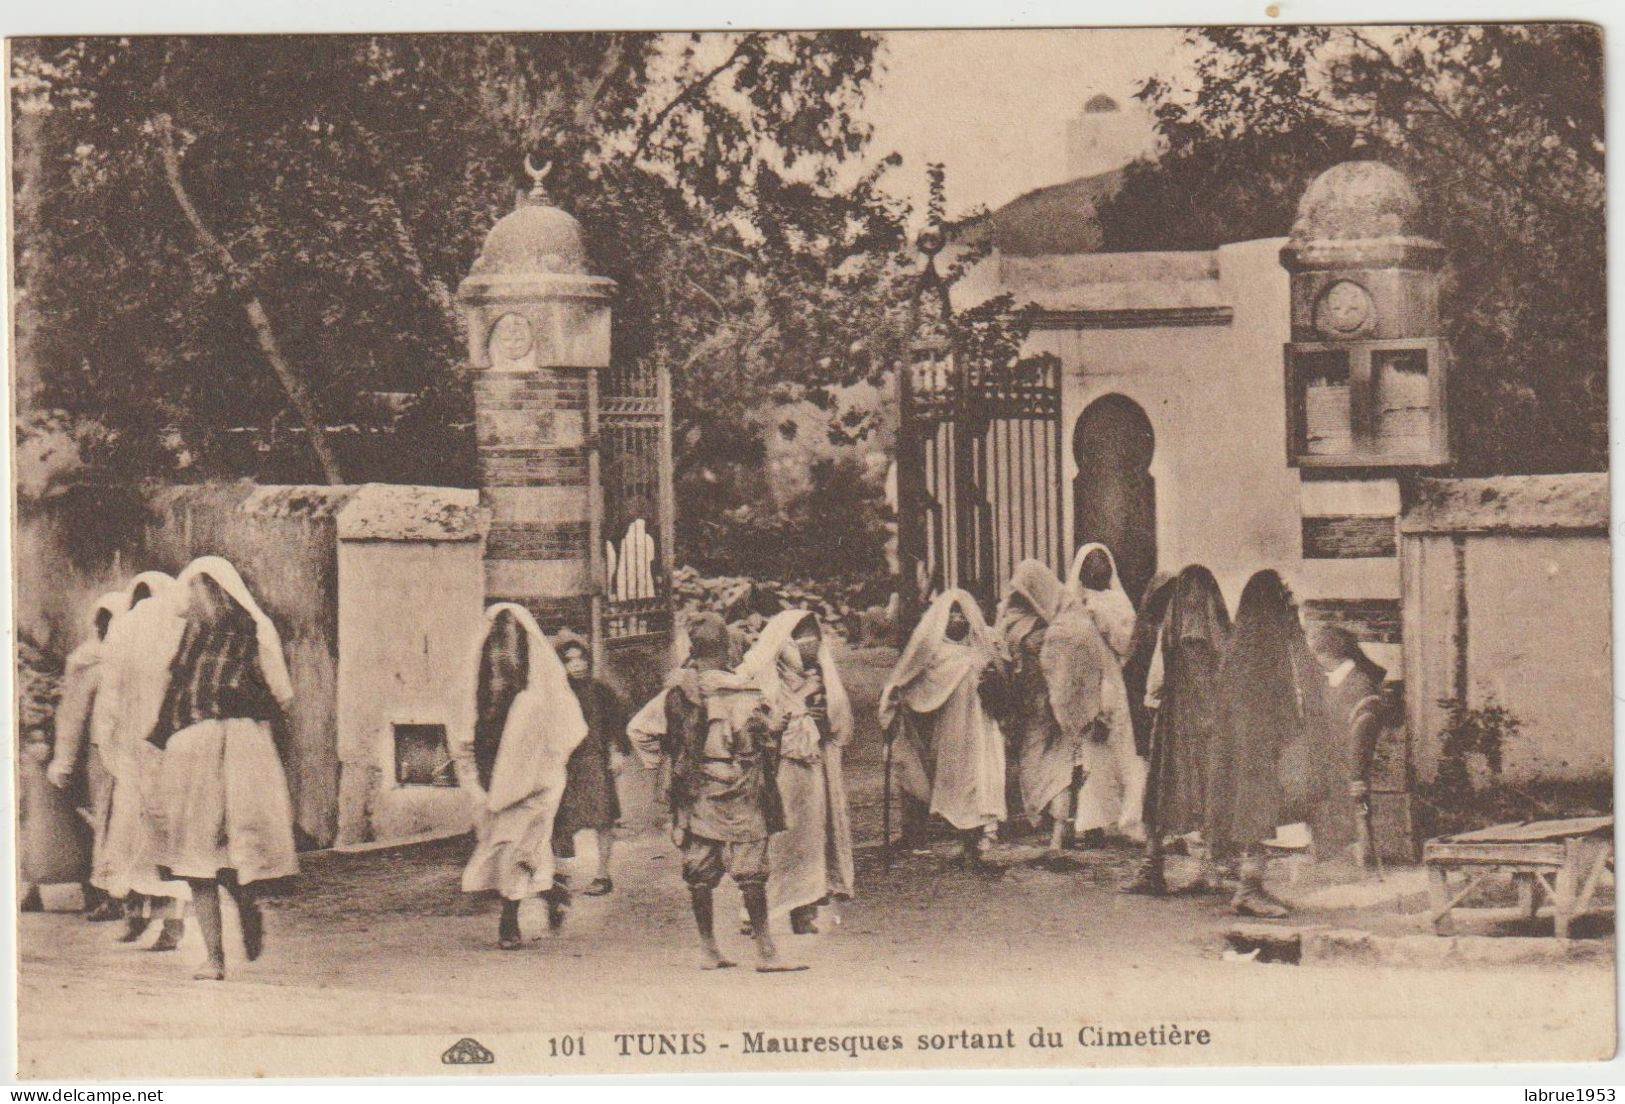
(587, 97)
(258, 319)
(687, 95)
(1507, 177)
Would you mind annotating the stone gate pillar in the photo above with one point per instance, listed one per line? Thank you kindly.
(538, 332)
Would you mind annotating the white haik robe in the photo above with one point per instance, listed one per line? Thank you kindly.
(950, 752)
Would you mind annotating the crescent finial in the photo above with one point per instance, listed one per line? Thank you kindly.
(537, 176)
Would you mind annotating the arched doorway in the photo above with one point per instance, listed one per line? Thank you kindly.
(1114, 496)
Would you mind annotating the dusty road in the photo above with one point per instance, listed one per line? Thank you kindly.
(378, 963)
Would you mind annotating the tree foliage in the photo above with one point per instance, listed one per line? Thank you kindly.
(349, 181)
(1500, 127)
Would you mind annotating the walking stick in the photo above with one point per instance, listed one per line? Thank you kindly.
(1366, 837)
(885, 804)
(1371, 836)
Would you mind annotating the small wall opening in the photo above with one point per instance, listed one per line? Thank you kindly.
(422, 756)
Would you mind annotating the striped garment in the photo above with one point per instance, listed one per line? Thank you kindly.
(215, 676)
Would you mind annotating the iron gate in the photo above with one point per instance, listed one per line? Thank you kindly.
(634, 519)
(979, 471)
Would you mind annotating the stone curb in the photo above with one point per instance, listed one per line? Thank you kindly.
(1323, 946)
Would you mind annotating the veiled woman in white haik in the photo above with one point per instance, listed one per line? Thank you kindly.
(54, 844)
(75, 749)
(1114, 784)
(1057, 664)
(220, 813)
(948, 750)
(513, 762)
(810, 862)
(141, 643)
(1094, 582)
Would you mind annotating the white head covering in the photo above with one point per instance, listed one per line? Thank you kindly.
(140, 645)
(530, 754)
(89, 651)
(931, 666)
(1111, 608)
(273, 665)
(1043, 596)
(114, 602)
(761, 666)
(1074, 657)
(158, 584)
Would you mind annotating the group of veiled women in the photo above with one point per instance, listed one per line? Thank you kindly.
(164, 740)
(160, 781)
(748, 755)
(1171, 726)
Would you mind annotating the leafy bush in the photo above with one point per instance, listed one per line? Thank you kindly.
(1469, 793)
(836, 530)
(1469, 731)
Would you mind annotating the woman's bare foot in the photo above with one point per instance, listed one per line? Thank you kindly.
(134, 927)
(253, 921)
(768, 960)
(711, 958)
(169, 936)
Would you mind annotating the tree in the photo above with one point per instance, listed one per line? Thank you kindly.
(237, 248)
(1500, 127)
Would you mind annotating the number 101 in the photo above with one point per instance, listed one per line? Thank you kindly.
(566, 1046)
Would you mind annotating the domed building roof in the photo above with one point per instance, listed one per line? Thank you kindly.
(1099, 104)
(534, 238)
(1355, 200)
(1062, 218)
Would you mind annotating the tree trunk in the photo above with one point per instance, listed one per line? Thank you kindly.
(258, 319)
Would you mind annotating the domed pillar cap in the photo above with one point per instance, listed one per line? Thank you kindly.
(1361, 213)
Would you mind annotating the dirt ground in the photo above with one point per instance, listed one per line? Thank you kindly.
(377, 963)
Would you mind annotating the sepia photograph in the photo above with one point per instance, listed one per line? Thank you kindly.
(810, 551)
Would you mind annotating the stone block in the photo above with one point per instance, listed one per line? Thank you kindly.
(1508, 950)
(1340, 946)
(1416, 950)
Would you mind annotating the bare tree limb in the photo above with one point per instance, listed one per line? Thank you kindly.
(258, 319)
(587, 96)
(1501, 173)
(689, 93)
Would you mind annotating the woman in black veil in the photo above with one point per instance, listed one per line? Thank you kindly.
(1258, 768)
(1182, 693)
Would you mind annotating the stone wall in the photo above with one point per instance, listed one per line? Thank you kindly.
(282, 541)
(393, 573)
(1507, 599)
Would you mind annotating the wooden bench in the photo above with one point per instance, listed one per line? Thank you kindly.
(1556, 861)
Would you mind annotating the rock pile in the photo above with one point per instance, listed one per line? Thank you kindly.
(746, 604)
(39, 688)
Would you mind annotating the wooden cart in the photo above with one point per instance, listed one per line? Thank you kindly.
(1560, 861)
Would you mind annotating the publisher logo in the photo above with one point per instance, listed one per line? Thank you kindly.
(467, 1052)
